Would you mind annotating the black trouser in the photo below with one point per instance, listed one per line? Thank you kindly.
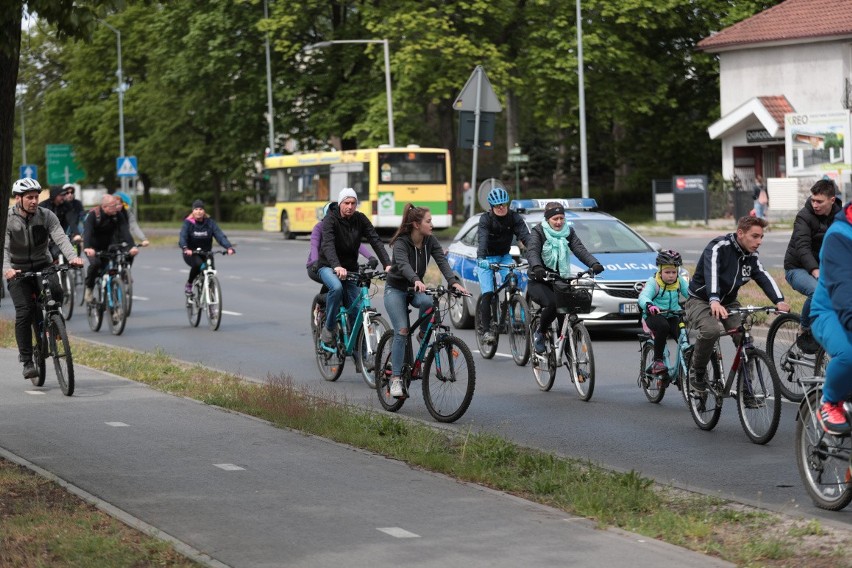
(542, 294)
(194, 262)
(96, 264)
(23, 293)
(662, 328)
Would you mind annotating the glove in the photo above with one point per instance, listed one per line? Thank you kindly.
(538, 272)
(482, 263)
(597, 268)
(373, 262)
(652, 310)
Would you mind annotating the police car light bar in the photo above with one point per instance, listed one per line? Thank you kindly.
(583, 203)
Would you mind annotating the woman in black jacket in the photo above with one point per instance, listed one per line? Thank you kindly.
(413, 245)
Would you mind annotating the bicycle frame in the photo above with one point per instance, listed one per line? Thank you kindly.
(363, 314)
(678, 362)
(208, 269)
(509, 287)
(411, 367)
(568, 323)
(740, 360)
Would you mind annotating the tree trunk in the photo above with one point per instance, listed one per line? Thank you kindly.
(621, 168)
(513, 112)
(10, 27)
(217, 197)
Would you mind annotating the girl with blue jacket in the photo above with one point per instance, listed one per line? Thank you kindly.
(662, 293)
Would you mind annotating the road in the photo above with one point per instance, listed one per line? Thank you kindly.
(265, 332)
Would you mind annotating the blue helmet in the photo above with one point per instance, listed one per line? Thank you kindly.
(126, 199)
(498, 196)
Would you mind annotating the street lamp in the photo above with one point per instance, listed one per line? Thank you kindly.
(584, 162)
(269, 85)
(384, 42)
(122, 86)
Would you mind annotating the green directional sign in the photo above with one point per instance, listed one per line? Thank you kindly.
(61, 166)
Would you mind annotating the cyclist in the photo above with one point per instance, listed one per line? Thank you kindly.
(135, 229)
(801, 261)
(342, 231)
(102, 227)
(74, 214)
(663, 292)
(316, 240)
(413, 245)
(29, 229)
(831, 312)
(728, 262)
(496, 230)
(198, 231)
(549, 250)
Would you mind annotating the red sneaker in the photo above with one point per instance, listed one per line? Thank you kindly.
(832, 418)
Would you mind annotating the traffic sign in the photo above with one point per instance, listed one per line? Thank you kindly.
(487, 98)
(29, 171)
(520, 158)
(514, 151)
(61, 165)
(126, 166)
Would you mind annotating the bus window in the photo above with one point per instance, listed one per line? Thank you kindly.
(351, 174)
(412, 167)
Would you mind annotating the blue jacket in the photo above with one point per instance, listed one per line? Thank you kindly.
(200, 234)
(833, 295)
(664, 296)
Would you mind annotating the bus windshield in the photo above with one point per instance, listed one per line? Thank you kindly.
(412, 167)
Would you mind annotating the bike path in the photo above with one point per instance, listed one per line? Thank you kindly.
(235, 491)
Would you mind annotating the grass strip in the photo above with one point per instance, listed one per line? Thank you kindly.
(746, 537)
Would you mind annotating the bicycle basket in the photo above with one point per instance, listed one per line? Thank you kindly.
(573, 297)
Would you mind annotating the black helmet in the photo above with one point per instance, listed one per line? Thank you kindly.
(671, 257)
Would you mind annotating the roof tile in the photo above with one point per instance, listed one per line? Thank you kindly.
(777, 106)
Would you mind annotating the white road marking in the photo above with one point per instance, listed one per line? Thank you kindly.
(167, 269)
(231, 313)
(143, 298)
(397, 532)
(35, 392)
(229, 467)
(117, 424)
(496, 354)
(258, 280)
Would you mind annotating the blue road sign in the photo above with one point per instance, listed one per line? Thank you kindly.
(126, 166)
(29, 171)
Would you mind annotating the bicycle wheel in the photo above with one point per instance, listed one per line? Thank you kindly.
(67, 306)
(584, 381)
(487, 350)
(213, 305)
(705, 407)
(365, 360)
(544, 365)
(117, 315)
(39, 356)
(127, 278)
(317, 311)
(448, 391)
(95, 308)
(820, 361)
(519, 331)
(758, 398)
(330, 364)
(193, 303)
(654, 386)
(790, 363)
(385, 372)
(822, 459)
(60, 349)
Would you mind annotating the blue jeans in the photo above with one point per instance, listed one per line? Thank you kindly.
(486, 284)
(837, 342)
(333, 298)
(805, 284)
(759, 210)
(396, 306)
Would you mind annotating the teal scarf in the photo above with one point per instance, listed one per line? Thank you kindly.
(555, 253)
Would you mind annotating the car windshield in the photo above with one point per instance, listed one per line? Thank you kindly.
(608, 236)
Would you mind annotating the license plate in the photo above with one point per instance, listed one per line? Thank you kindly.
(632, 308)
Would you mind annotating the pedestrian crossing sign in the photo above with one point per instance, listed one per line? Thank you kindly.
(126, 166)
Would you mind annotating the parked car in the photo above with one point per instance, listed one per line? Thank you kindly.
(628, 258)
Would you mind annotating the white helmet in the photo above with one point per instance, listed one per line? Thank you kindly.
(25, 185)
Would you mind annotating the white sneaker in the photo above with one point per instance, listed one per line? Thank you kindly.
(396, 387)
(88, 295)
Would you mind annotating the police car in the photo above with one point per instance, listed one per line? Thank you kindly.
(627, 257)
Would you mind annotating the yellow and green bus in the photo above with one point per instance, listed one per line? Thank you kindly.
(385, 179)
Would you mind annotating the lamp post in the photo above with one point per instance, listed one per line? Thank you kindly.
(584, 161)
(269, 85)
(121, 88)
(23, 90)
(384, 42)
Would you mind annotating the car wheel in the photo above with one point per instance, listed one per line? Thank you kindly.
(460, 314)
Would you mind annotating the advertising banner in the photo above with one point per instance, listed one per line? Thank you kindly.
(817, 143)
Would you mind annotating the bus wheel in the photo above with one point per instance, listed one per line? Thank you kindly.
(285, 227)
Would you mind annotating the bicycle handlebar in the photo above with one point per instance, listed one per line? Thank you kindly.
(511, 266)
(586, 275)
(46, 271)
(441, 291)
(209, 253)
(749, 310)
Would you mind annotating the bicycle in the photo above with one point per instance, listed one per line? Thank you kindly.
(68, 284)
(654, 386)
(791, 363)
(757, 390)
(573, 345)
(824, 460)
(50, 339)
(109, 292)
(206, 293)
(359, 340)
(449, 391)
(508, 315)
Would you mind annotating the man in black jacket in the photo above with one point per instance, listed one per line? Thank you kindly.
(728, 262)
(342, 231)
(103, 227)
(801, 262)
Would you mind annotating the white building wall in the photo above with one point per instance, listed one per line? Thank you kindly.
(811, 76)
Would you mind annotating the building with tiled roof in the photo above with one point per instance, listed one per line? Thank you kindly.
(794, 59)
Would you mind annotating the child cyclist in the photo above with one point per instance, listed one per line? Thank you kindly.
(663, 292)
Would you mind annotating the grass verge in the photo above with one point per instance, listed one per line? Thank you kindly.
(746, 537)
